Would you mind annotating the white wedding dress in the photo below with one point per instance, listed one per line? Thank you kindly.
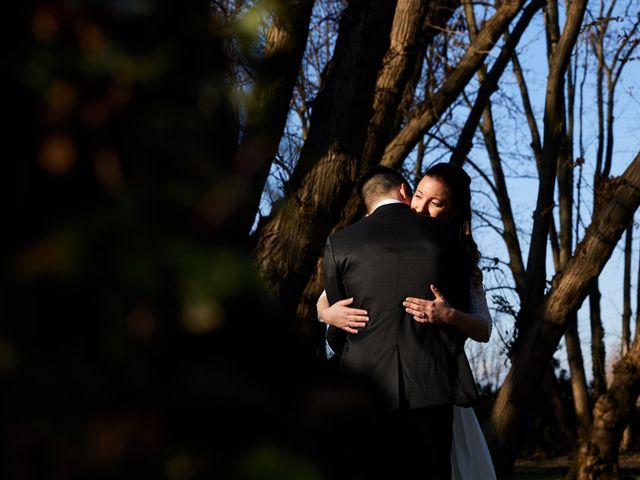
(470, 457)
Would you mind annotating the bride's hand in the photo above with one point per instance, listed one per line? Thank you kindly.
(342, 316)
(429, 311)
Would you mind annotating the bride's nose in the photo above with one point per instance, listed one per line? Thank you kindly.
(420, 207)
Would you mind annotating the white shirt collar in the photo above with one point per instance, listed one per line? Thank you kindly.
(387, 201)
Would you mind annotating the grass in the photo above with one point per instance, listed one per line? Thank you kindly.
(558, 473)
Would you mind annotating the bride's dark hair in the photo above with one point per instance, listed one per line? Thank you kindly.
(459, 184)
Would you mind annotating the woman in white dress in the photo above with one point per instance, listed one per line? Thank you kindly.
(444, 192)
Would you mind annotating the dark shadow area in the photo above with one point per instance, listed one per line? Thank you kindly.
(136, 340)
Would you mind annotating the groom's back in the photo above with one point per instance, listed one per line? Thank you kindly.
(380, 260)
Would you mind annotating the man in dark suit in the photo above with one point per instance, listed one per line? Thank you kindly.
(391, 254)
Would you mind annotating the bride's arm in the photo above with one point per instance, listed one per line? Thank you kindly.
(340, 315)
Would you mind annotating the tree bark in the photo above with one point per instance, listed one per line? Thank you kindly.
(489, 82)
(569, 288)
(626, 292)
(553, 134)
(430, 111)
(290, 241)
(483, 107)
(581, 402)
(598, 457)
(625, 341)
(413, 25)
(398, 66)
(598, 352)
(552, 396)
(268, 107)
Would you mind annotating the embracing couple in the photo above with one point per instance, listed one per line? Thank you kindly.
(403, 293)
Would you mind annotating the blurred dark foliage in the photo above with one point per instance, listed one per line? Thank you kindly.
(136, 340)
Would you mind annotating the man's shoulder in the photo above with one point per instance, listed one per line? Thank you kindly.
(349, 230)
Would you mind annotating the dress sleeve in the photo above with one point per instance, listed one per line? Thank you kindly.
(478, 304)
(323, 294)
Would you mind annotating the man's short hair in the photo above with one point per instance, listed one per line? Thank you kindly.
(378, 182)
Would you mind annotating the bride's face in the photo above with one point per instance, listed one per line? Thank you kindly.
(432, 198)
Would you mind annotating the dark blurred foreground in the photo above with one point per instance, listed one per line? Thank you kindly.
(136, 341)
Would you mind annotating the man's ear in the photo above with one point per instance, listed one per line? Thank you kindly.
(404, 194)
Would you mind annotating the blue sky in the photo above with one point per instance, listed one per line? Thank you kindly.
(523, 190)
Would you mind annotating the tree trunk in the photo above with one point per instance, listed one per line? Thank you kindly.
(398, 66)
(625, 341)
(552, 139)
(394, 79)
(290, 241)
(569, 288)
(412, 26)
(581, 403)
(482, 108)
(626, 293)
(268, 107)
(551, 393)
(598, 456)
(430, 111)
(598, 353)
(489, 82)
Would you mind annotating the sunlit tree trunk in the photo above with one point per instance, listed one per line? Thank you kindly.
(290, 241)
(567, 292)
(598, 353)
(430, 111)
(626, 293)
(503, 452)
(625, 341)
(552, 139)
(598, 456)
(581, 402)
(393, 85)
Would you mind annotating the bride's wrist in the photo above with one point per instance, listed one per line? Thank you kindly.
(450, 316)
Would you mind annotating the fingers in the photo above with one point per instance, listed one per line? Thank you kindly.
(353, 326)
(346, 301)
(419, 314)
(356, 321)
(422, 310)
(417, 303)
(420, 302)
(348, 310)
(436, 292)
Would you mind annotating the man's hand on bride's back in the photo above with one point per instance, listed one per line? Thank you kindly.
(342, 316)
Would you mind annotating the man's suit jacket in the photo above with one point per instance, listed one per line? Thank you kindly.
(380, 260)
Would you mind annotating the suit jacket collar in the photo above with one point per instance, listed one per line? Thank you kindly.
(390, 207)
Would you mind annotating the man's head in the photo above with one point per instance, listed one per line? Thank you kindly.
(383, 183)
